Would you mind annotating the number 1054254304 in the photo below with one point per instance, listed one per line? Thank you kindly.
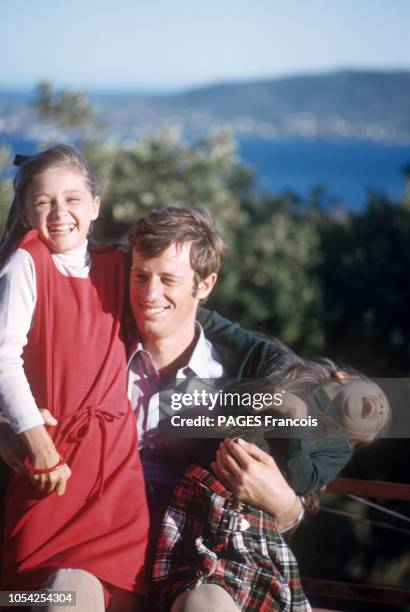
(33, 598)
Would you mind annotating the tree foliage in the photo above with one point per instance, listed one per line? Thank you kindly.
(67, 108)
(365, 262)
(322, 280)
(5, 186)
(165, 171)
(268, 278)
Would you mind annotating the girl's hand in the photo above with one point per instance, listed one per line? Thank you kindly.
(13, 451)
(44, 455)
(49, 420)
(55, 480)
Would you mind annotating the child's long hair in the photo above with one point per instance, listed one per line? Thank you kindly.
(297, 375)
(57, 156)
(302, 377)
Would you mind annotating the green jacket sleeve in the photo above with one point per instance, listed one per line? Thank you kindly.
(243, 354)
(309, 466)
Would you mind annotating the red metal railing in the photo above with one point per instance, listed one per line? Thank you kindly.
(370, 488)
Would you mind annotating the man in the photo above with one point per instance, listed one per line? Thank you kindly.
(176, 254)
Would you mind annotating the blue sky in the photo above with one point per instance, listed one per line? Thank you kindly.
(171, 44)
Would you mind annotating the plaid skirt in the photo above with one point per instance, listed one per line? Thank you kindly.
(208, 536)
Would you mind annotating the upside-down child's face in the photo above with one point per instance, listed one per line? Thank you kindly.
(363, 406)
(59, 205)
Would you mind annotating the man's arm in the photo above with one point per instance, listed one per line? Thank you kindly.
(253, 476)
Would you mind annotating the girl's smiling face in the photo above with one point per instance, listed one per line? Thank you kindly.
(363, 407)
(58, 204)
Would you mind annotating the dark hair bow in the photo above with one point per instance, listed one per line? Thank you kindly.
(20, 159)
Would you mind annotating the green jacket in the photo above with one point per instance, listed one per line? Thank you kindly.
(243, 354)
(306, 466)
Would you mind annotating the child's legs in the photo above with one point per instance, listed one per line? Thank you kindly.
(89, 591)
(204, 598)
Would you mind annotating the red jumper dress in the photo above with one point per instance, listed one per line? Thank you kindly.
(76, 365)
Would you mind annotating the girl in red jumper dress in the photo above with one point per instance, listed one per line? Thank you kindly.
(61, 349)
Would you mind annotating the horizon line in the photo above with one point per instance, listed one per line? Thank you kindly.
(146, 89)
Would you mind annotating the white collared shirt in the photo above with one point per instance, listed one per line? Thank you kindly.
(165, 459)
(143, 383)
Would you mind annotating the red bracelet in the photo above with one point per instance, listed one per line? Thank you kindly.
(33, 470)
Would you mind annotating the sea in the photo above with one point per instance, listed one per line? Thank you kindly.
(344, 171)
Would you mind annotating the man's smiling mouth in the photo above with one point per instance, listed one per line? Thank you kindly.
(154, 309)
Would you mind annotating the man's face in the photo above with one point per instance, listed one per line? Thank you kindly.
(161, 292)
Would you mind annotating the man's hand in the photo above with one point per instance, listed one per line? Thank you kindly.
(253, 476)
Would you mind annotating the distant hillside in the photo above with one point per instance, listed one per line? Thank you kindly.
(347, 104)
(372, 105)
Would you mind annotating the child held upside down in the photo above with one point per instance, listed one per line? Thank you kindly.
(209, 537)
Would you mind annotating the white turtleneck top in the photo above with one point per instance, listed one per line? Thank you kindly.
(18, 298)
